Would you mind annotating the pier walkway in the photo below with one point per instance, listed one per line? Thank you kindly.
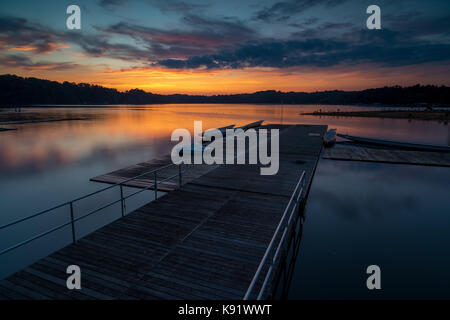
(203, 241)
(411, 157)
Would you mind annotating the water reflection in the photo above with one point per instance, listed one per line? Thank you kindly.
(283, 281)
(358, 214)
(115, 131)
(43, 164)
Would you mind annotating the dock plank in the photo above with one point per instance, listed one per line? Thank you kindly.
(423, 158)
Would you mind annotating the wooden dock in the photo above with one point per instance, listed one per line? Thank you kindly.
(423, 158)
(191, 172)
(203, 241)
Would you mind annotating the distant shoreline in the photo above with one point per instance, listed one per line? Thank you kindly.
(41, 120)
(439, 115)
(363, 105)
(18, 91)
(9, 118)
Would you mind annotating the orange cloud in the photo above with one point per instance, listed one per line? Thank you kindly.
(23, 48)
(52, 47)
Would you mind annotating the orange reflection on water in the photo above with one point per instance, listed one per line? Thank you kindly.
(115, 131)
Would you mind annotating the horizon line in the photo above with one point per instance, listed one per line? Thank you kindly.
(227, 94)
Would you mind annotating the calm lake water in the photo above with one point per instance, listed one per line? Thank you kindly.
(358, 214)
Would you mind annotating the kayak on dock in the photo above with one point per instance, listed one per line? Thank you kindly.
(397, 144)
(329, 138)
(222, 131)
(251, 125)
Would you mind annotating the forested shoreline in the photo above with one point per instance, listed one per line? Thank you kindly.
(18, 91)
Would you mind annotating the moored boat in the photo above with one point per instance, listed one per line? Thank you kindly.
(397, 144)
(251, 125)
(222, 131)
(329, 138)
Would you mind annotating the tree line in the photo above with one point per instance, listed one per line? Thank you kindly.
(19, 91)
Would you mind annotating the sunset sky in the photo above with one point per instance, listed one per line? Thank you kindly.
(209, 47)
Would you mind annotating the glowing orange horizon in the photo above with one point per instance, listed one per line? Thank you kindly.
(232, 81)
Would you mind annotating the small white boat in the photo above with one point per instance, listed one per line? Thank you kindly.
(329, 138)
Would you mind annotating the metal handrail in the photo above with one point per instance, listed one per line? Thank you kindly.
(70, 203)
(83, 197)
(293, 200)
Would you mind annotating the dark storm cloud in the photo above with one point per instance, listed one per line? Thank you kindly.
(307, 23)
(199, 31)
(19, 32)
(413, 28)
(317, 53)
(328, 28)
(226, 26)
(201, 36)
(167, 43)
(101, 47)
(24, 62)
(415, 25)
(177, 6)
(283, 10)
(205, 42)
(268, 54)
(419, 39)
(108, 4)
(16, 32)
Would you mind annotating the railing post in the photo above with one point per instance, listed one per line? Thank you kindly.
(73, 222)
(156, 187)
(121, 201)
(179, 175)
(285, 240)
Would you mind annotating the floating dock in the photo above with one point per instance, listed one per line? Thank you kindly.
(204, 240)
(423, 158)
(190, 173)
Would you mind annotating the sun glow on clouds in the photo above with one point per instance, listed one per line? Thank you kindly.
(228, 81)
(52, 47)
(169, 81)
(222, 47)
